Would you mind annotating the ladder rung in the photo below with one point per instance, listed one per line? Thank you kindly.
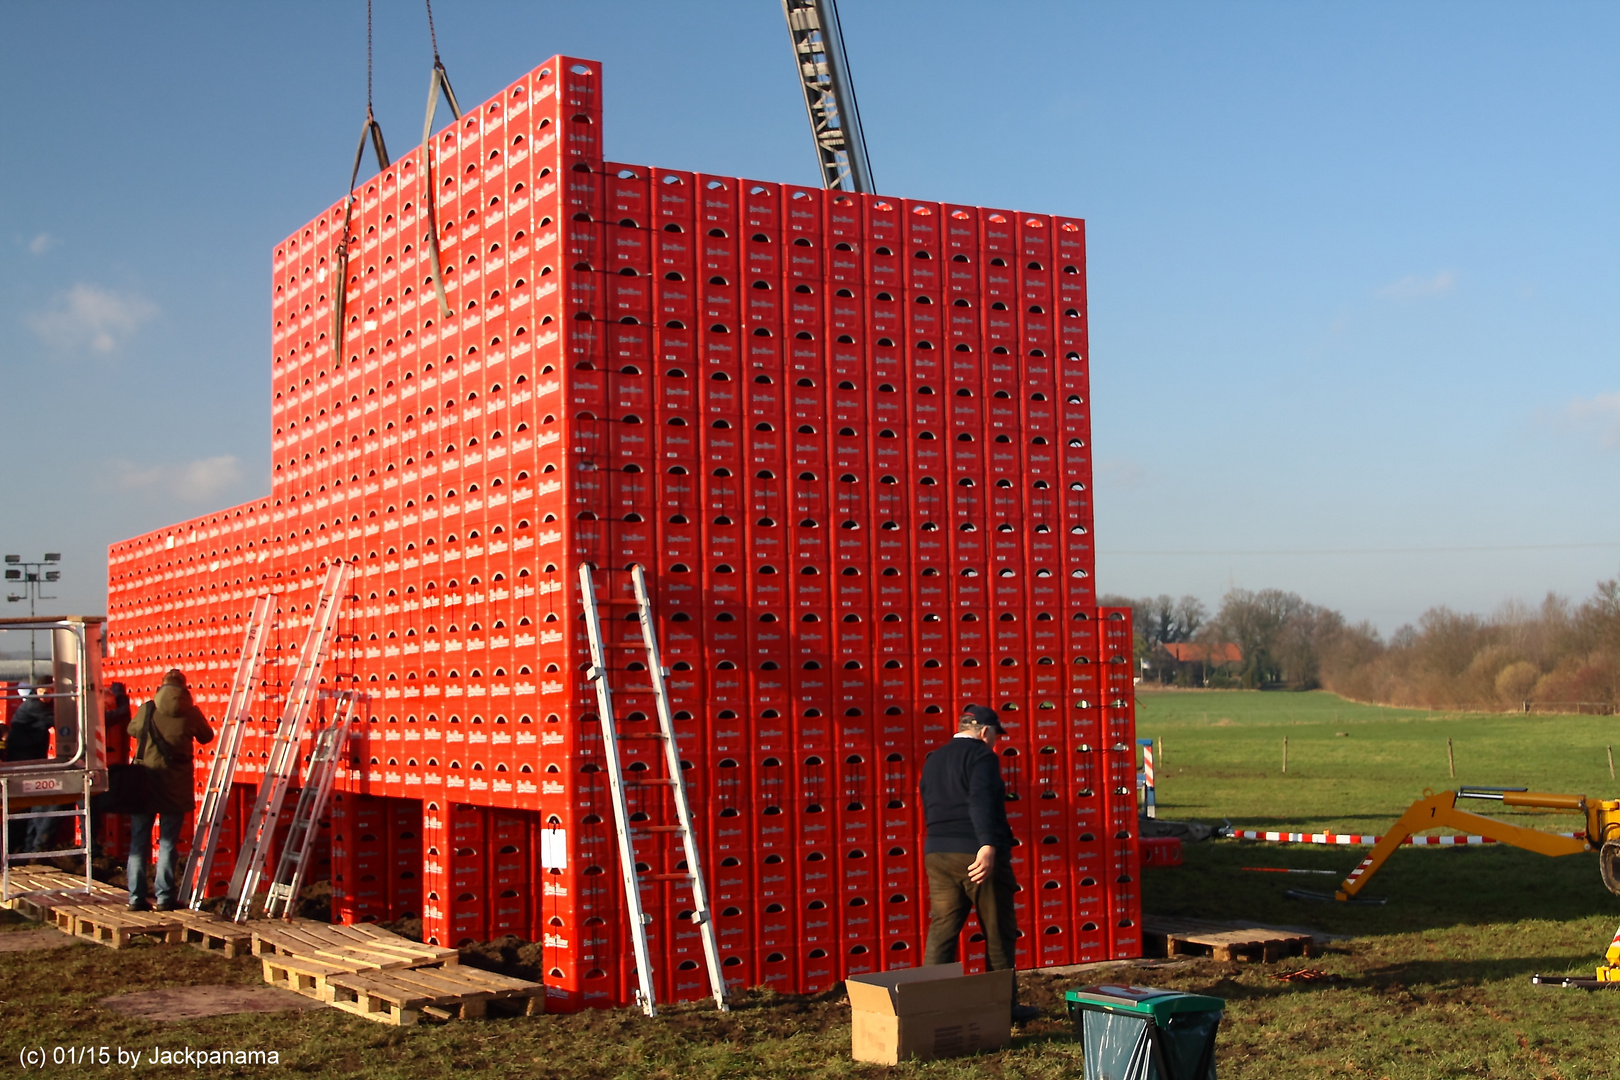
(47, 814)
(638, 874)
(34, 856)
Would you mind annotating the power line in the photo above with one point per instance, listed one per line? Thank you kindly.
(1374, 551)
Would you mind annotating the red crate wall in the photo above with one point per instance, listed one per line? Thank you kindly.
(848, 437)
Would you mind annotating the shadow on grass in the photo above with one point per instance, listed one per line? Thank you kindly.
(1426, 975)
(1426, 888)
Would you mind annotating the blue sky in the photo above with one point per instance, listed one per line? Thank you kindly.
(1353, 267)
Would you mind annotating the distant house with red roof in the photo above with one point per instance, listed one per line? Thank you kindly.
(1205, 652)
(1195, 661)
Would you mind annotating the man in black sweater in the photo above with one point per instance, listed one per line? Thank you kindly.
(968, 850)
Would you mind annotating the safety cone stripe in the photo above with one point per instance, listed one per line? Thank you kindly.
(1362, 839)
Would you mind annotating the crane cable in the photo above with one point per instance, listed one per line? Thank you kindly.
(439, 79)
(372, 131)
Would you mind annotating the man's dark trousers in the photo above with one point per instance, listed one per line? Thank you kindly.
(952, 895)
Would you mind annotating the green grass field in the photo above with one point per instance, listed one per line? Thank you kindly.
(1354, 768)
(1435, 984)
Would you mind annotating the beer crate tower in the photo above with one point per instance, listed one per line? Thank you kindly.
(846, 435)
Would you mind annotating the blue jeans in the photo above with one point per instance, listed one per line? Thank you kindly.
(140, 850)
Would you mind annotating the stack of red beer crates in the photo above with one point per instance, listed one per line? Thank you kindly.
(846, 435)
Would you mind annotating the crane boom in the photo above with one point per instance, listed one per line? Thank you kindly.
(829, 95)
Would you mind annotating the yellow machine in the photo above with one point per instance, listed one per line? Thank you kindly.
(1610, 972)
(1440, 811)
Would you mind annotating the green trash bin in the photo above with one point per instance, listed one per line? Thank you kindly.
(1139, 1033)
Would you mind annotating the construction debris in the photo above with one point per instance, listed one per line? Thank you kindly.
(1306, 975)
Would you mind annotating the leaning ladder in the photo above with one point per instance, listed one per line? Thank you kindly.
(222, 772)
(617, 784)
(325, 760)
(260, 833)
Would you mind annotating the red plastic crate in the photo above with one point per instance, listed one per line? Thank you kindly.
(552, 437)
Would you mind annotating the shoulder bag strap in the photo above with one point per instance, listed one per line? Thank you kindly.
(151, 729)
(150, 708)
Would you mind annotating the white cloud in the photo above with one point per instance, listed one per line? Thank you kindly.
(191, 481)
(1413, 287)
(42, 243)
(1601, 411)
(88, 316)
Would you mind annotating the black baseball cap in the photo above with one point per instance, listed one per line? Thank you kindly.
(984, 716)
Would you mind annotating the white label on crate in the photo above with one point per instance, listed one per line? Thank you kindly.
(554, 849)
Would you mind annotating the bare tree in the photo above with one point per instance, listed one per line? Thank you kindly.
(1158, 621)
(1281, 635)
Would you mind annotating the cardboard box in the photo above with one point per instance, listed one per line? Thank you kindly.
(928, 1012)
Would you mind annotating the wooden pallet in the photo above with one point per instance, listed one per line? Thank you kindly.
(114, 925)
(214, 934)
(360, 947)
(402, 996)
(38, 892)
(302, 975)
(1196, 937)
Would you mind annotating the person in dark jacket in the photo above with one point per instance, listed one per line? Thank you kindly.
(968, 848)
(29, 739)
(169, 722)
(115, 718)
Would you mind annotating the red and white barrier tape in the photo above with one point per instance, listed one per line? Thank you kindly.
(1360, 839)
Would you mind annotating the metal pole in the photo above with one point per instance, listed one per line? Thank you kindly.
(1451, 760)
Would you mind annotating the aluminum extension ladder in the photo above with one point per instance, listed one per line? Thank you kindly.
(260, 833)
(617, 782)
(222, 772)
(326, 758)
